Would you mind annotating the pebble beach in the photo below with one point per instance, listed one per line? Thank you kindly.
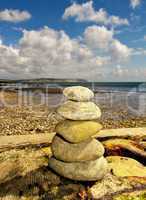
(21, 119)
(43, 184)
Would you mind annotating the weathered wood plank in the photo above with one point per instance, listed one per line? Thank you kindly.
(17, 163)
(20, 141)
(139, 133)
(143, 144)
(132, 146)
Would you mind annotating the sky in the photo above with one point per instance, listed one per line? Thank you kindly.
(96, 40)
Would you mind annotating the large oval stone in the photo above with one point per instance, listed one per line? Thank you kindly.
(78, 93)
(90, 149)
(77, 131)
(79, 110)
(80, 171)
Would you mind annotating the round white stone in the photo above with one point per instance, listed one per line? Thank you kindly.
(79, 110)
(78, 93)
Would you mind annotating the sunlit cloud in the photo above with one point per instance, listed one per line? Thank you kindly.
(85, 12)
(11, 15)
(135, 3)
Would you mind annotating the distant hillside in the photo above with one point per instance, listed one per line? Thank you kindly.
(42, 80)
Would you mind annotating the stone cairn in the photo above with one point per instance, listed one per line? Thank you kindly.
(77, 155)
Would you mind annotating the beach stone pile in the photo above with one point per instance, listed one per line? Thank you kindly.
(77, 155)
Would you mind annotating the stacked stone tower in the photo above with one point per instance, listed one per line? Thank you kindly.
(77, 155)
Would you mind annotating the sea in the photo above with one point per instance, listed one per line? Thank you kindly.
(112, 95)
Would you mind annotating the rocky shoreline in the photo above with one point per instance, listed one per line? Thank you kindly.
(44, 184)
(30, 119)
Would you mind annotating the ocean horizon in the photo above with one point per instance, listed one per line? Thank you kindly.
(95, 86)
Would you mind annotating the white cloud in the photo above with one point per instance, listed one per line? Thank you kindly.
(138, 51)
(55, 47)
(97, 37)
(86, 12)
(51, 53)
(119, 51)
(121, 73)
(135, 3)
(11, 15)
(9, 60)
(145, 37)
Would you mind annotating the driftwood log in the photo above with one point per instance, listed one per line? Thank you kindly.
(18, 159)
(20, 141)
(143, 144)
(132, 133)
(114, 145)
(17, 163)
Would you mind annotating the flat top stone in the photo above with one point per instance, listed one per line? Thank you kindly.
(90, 149)
(77, 131)
(79, 110)
(78, 93)
(80, 171)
